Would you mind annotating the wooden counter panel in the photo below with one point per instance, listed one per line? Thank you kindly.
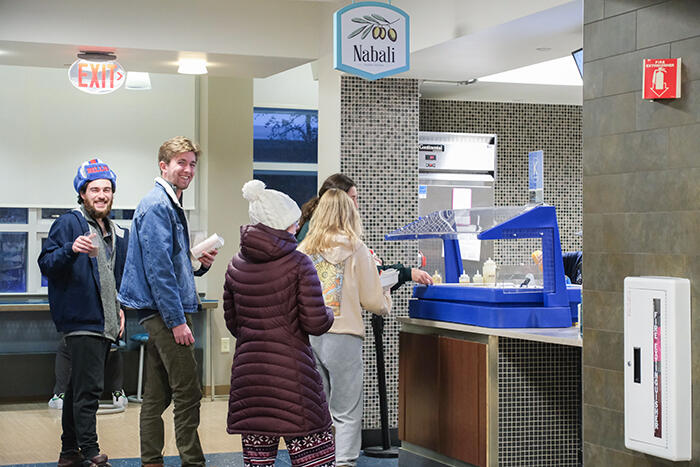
(418, 390)
(462, 401)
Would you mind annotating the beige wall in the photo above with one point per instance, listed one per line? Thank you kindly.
(48, 128)
(226, 136)
(328, 119)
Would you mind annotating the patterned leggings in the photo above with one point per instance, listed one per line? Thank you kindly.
(314, 450)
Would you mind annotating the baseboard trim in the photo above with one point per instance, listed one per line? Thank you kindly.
(219, 390)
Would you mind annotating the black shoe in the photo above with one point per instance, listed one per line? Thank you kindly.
(70, 459)
(100, 460)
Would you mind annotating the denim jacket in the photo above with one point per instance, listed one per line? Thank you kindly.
(158, 271)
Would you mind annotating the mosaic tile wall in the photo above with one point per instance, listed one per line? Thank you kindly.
(379, 149)
(539, 411)
(539, 384)
(379, 131)
(521, 128)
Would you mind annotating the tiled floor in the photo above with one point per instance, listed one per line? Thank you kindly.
(228, 459)
(30, 436)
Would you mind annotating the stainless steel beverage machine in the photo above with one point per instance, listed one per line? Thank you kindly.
(456, 171)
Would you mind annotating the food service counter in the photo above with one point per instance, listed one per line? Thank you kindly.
(488, 396)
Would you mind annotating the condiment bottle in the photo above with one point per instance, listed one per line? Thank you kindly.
(477, 279)
(437, 278)
(489, 271)
(464, 278)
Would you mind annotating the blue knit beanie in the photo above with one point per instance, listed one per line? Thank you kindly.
(94, 169)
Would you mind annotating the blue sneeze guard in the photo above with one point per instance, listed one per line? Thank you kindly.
(553, 305)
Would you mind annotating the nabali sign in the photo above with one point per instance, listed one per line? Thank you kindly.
(371, 40)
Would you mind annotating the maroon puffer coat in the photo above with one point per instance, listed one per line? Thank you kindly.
(272, 302)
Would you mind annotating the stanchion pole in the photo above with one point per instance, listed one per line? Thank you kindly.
(386, 449)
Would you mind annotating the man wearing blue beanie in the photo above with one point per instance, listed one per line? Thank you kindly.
(83, 259)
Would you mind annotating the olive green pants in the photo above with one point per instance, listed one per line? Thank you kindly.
(171, 376)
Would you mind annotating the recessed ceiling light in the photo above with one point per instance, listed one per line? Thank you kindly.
(192, 66)
(543, 49)
(138, 81)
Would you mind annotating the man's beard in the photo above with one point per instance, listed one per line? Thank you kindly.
(90, 208)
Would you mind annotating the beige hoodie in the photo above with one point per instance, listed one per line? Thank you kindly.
(360, 288)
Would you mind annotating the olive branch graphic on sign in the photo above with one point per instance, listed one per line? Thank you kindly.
(379, 26)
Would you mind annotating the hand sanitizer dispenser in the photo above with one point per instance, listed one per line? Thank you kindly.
(657, 368)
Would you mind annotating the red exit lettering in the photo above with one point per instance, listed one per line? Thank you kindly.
(96, 77)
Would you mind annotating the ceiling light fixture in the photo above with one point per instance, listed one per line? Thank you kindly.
(97, 56)
(138, 81)
(192, 66)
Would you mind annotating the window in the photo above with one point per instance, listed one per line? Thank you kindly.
(13, 262)
(14, 215)
(285, 151)
(53, 213)
(300, 186)
(44, 279)
(122, 214)
(285, 135)
(23, 232)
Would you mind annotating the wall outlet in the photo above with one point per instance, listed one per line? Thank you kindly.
(225, 345)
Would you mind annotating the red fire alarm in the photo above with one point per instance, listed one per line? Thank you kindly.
(661, 78)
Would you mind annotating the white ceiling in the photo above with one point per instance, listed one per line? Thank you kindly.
(452, 39)
(153, 61)
(504, 47)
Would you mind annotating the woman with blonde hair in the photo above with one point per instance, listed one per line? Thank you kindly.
(350, 283)
(346, 184)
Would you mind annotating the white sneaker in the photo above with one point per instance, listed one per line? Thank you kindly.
(56, 402)
(119, 399)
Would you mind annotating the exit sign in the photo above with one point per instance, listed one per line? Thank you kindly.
(661, 78)
(96, 77)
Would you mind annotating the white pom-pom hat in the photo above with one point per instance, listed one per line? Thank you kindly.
(270, 207)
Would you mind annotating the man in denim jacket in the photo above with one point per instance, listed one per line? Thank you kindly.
(158, 282)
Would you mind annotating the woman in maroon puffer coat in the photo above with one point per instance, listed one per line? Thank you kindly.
(272, 303)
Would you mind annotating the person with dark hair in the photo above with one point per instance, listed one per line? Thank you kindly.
(83, 259)
(573, 262)
(346, 184)
(337, 180)
(114, 377)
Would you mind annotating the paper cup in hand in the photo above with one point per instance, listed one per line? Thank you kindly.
(212, 243)
(95, 246)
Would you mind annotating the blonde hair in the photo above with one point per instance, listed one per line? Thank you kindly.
(334, 216)
(175, 146)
